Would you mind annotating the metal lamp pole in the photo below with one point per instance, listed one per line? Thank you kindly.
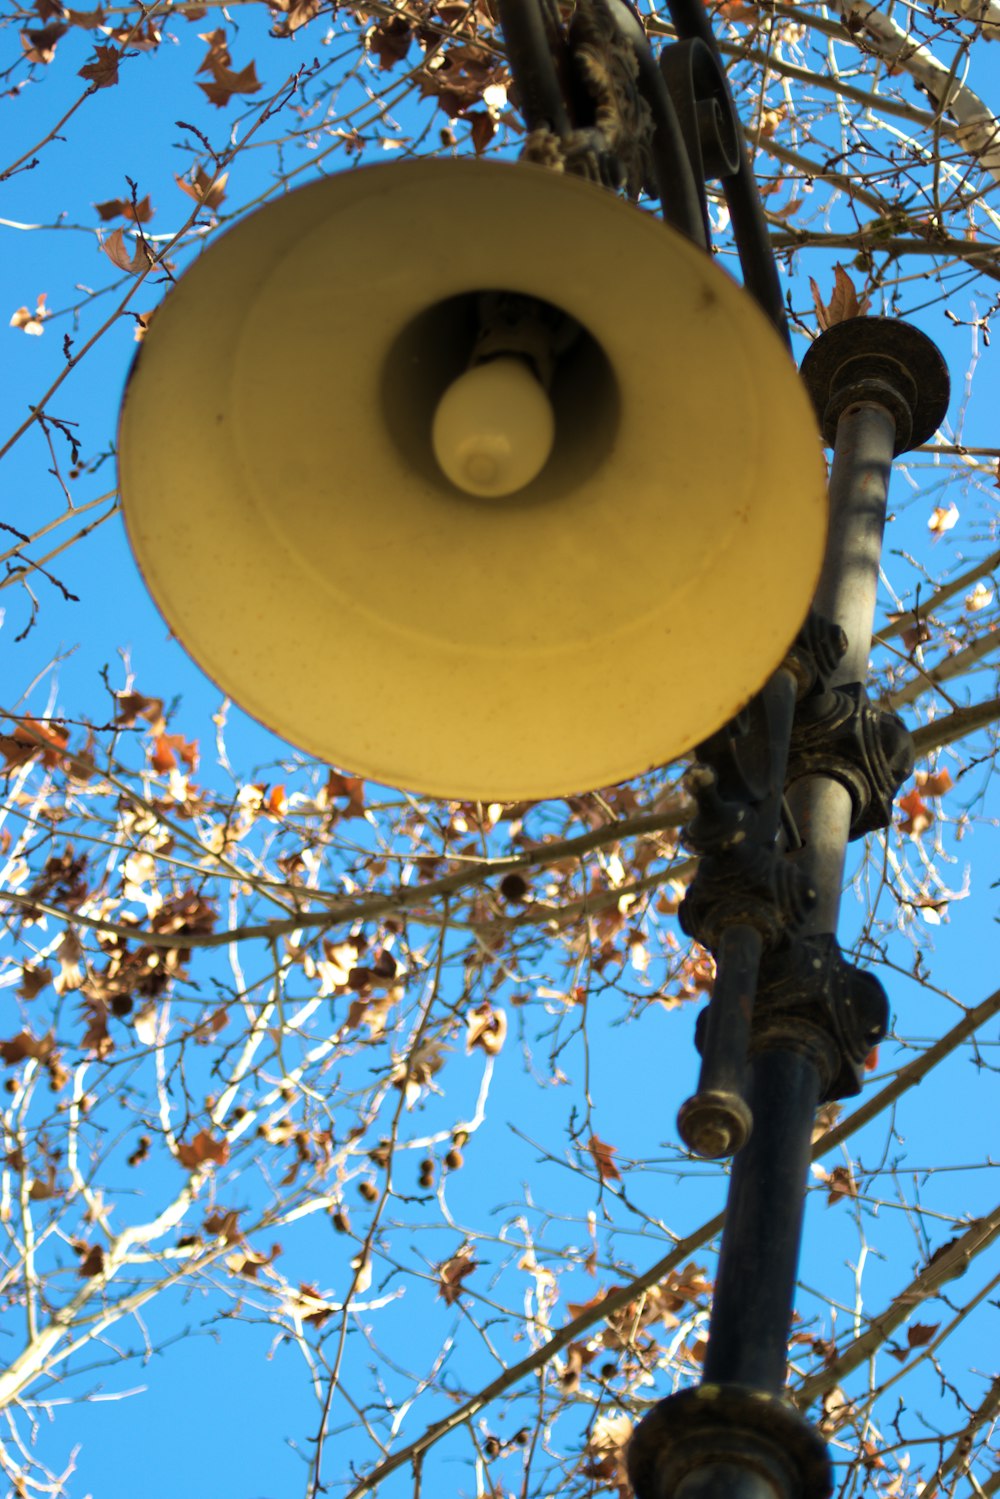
(774, 1050)
(809, 765)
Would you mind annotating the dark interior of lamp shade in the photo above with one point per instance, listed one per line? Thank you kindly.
(434, 349)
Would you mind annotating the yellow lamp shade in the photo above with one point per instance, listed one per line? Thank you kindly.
(284, 500)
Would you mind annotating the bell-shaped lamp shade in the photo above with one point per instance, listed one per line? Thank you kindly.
(284, 459)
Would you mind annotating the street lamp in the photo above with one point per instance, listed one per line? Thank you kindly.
(306, 543)
(423, 464)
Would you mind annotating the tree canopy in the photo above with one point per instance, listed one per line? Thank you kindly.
(376, 1091)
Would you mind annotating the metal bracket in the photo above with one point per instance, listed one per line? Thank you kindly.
(811, 1000)
(750, 886)
(839, 734)
(740, 901)
(816, 653)
(748, 902)
(705, 113)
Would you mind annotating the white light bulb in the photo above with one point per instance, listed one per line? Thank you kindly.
(494, 428)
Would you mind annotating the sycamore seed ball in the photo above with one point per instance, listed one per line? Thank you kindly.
(494, 428)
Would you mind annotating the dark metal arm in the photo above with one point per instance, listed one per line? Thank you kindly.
(760, 272)
(532, 52)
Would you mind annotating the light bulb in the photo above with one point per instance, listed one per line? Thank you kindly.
(494, 428)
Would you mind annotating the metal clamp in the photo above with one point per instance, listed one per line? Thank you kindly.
(869, 751)
(811, 1000)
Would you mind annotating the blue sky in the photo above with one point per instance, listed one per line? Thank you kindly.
(220, 1410)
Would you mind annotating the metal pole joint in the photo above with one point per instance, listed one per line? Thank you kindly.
(810, 1000)
(883, 362)
(749, 886)
(840, 735)
(727, 1441)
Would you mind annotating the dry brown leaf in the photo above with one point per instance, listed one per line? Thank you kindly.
(203, 188)
(310, 1304)
(981, 597)
(916, 634)
(206, 1030)
(452, 1272)
(133, 705)
(578, 1356)
(122, 208)
(186, 915)
(24, 1045)
(934, 782)
(140, 212)
(218, 50)
(225, 83)
(40, 45)
(33, 981)
(224, 1226)
(374, 1013)
(96, 1037)
(141, 1151)
(484, 128)
(918, 815)
(249, 1262)
(844, 302)
(202, 1150)
(31, 322)
(91, 1259)
(70, 955)
(785, 212)
(943, 517)
(770, 119)
(414, 1072)
(118, 253)
(837, 1408)
(602, 1154)
(696, 974)
(485, 1028)
(44, 1191)
(87, 20)
(390, 40)
(146, 1025)
(277, 803)
(576, 1309)
(31, 737)
(361, 1264)
(167, 748)
(297, 13)
(840, 1183)
(826, 1118)
(605, 1452)
(103, 71)
(353, 787)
